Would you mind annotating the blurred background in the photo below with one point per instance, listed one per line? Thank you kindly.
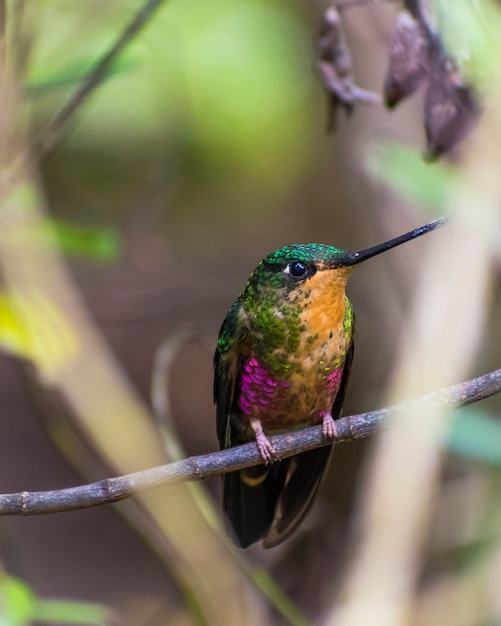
(204, 148)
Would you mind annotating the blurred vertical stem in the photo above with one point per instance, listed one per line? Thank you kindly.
(441, 342)
(77, 363)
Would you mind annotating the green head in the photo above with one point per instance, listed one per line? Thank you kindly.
(298, 293)
(290, 266)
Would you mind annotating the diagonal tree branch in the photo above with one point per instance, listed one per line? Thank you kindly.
(52, 132)
(200, 467)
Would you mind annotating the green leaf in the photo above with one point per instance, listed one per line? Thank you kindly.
(408, 174)
(33, 327)
(20, 607)
(70, 612)
(17, 603)
(91, 243)
(476, 435)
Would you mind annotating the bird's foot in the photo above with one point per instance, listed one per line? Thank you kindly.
(266, 451)
(329, 430)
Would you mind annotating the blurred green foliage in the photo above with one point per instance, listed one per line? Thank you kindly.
(476, 434)
(96, 244)
(470, 33)
(405, 171)
(19, 606)
(226, 83)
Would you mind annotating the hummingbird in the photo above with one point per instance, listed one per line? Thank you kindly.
(282, 362)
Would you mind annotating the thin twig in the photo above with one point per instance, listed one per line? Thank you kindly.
(160, 383)
(200, 467)
(52, 132)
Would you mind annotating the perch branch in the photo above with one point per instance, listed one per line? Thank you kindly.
(200, 467)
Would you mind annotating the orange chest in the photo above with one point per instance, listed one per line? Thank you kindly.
(308, 378)
(324, 342)
(326, 315)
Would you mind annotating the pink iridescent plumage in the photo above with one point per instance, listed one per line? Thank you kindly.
(258, 389)
(334, 379)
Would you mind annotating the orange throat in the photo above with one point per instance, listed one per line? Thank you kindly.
(324, 301)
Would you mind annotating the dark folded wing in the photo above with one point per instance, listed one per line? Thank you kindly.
(226, 371)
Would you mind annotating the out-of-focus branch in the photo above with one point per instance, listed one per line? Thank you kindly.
(200, 467)
(52, 132)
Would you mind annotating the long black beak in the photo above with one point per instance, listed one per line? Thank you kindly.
(353, 257)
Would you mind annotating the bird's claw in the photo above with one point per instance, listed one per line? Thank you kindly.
(329, 430)
(266, 451)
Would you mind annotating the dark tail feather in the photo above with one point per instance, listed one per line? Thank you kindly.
(304, 477)
(250, 510)
(273, 509)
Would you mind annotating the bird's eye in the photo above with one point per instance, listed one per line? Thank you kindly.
(297, 269)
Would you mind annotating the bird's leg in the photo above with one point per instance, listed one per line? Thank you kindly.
(266, 451)
(329, 430)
